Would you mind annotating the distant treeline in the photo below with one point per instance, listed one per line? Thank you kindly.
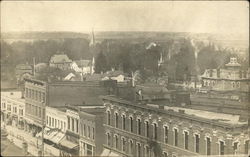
(127, 55)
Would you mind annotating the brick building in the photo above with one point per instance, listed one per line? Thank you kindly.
(91, 130)
(133, 128)
(35, 102)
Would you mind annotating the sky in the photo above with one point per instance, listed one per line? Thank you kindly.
(82, 16)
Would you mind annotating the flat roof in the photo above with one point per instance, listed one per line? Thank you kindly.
(204, 116)
(221, 117)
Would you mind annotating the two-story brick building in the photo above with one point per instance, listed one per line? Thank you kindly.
(147, 129)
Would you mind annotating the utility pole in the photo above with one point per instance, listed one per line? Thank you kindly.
(34, 64)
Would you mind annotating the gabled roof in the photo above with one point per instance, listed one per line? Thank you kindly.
(83, 63)
(60, 58)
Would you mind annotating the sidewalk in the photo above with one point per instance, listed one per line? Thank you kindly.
(19, 136)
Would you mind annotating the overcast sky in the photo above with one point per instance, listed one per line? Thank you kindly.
(180, 16)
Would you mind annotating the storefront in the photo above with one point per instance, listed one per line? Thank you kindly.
(68, 148)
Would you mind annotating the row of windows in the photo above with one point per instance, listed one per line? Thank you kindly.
(35, 110)
(131, 125)
(73, 124)
(87, 131)
(186, 146)
(55, 123)
(165, 133)
(36, 95)
(14, 109)
(86, 149)
(127, 146)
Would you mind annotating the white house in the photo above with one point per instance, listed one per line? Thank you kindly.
(83, 66)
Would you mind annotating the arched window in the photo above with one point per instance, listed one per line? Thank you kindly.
(108, 117)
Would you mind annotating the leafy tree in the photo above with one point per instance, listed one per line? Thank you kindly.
(101, 63)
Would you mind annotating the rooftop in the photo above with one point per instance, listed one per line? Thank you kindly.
(220, 117)
(83, 63)
(60, 58)
(204, 116)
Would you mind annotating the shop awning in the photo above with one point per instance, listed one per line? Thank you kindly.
(68, 144)
(105, 152)
(53, 135)
(58, 137)
(109, 153)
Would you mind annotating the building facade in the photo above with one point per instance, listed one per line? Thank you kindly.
(134, 129)
(232, 78)
(91, 130)
(35, 102)
(12, 108)
(60, 61)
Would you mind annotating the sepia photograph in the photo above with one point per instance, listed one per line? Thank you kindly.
(125, 78)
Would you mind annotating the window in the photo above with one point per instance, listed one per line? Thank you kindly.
(39, 111)
(55, 123)
(165, 134)
(155, 131)
(88, 131)
(64, 125)
(246, 146)
(26, 92)
(138, 126)
(73, 124)
(123, 144)
(146, 154)
(131, 124)
(116, 120)
(89, 150)
(208, 144)
(108, 117)
(235, 147)
(138, 152)
(32, 94)
(21, 112)
(175, 137)
(116, 142)
(84, 130)
(43, 97)
(222, 145)
(68, 123)
(9, 108)
(123, 122)
(39, 96)
(146, 129)
(130, 146)
(108, 139)
(52, 122)
(93, 130)
(49, 121)
(36, 96)
(36, 111)
(77, 125)
(185, 139)
(197, 143)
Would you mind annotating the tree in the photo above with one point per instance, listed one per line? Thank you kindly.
(101, 63)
